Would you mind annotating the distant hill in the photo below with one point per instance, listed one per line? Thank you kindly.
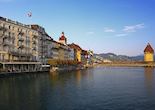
(114, 57)
(138, 58)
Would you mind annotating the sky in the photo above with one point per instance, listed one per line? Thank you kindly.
(105, 26)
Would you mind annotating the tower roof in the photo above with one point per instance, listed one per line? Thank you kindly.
(149, 49)
(62, 37)
(75, 46)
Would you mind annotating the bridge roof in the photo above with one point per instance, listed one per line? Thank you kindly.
(149, 49)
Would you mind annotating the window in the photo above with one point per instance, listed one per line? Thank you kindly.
(27, 41)
(13, 28)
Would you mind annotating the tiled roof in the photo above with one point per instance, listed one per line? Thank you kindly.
(62, 37)
(149, 49)
(74, 46)
(84, 52)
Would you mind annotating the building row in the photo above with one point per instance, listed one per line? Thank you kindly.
(31, 44)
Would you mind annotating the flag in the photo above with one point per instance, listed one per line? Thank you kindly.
(29, 14)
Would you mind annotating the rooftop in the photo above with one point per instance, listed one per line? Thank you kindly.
(75, 46)
(149, 49)
(62, 37)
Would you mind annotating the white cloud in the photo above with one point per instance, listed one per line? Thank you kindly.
(90, 33)
(108, 30)
(121, 35)
(133, 28)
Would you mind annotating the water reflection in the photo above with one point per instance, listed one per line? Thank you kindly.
(149, 79)
(92, 89)
(20, 93)
(75, 78)
(78, 77)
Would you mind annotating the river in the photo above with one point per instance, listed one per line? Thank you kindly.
(99, 88)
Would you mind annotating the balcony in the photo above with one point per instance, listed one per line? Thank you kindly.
(21, 39)
(34, 48)
(26, 54)
(34, 42)
(34, 36)
(6, 43)
(27, 47)
(14, 52)
(21, 46)
(18, 53)
(21, 33)
(5, 37)
(3, 29)
(2, 33)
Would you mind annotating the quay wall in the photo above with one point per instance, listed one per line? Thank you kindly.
(129, 64)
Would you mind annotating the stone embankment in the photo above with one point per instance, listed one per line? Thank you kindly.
(130, 64)
(68, 68)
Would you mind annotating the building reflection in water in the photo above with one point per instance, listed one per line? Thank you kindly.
(149, 79)
(18, 91)
(76, 77)
(54, 76)
(86, 75)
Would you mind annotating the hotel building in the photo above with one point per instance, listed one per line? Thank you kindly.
(18, 43)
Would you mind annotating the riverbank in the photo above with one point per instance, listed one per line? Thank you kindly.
(152, 64)
(47, 70)
(80, 67)
(69, 68)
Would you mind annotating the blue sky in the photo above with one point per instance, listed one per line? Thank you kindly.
(118, 26)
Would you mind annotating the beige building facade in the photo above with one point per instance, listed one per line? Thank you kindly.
(18, 42)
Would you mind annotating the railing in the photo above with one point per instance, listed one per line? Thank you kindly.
(34, 36)
(34, 48)
(19, 53)
(3, 29)
(5, 36)
(21, 33)
(27, 47)
(21, 46)
(21, 60)
(25, 60)
(34, 42)
(6, 43)
(21, 39)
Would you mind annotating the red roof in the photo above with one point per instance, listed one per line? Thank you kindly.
(84, 52)
(62, 37)
(75, 46)
(149, 49)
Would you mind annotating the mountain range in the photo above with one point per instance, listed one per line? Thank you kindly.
(115, 57)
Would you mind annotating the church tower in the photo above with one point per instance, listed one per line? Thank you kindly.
(63, 39)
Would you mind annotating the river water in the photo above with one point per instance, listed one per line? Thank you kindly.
(100, 88)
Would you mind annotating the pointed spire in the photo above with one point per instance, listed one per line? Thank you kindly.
(63, 39)
(63, 33)
(149, 48)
